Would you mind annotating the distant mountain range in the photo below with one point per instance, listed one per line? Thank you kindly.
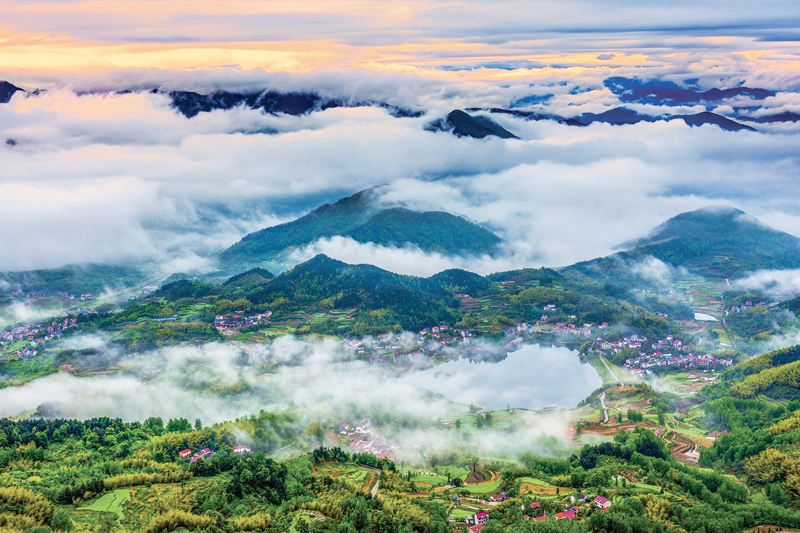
(363, 218)
(465, 123)
(621, 116)
(191, 104)
(660, 92)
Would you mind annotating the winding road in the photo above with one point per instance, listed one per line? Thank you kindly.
(605, 409)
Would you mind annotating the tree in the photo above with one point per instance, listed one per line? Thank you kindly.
(198, 424)
(458, 424)
(61, 521)
(661, 420)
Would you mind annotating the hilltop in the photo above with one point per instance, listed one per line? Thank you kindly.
(364, 219)
(719, 242)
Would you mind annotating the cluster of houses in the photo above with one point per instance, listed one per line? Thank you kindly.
(571, 329)
(476, 522)
(206, 453)
(668, 352)
(368, 442)
(200, 454)
(36, 334)
(643, 363)
(227, 324)
(748, 305)
(569, 513)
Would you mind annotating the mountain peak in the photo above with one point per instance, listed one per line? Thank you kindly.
(719, 241)
(463, 124)
(7, 90)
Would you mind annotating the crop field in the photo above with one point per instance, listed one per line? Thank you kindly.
(492, 487)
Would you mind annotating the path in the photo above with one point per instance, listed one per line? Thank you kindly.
(725, 325)
(374, 490)
(605, 409)
(609, 369)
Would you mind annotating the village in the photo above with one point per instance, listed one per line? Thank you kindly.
(34, 336)
(669, 352)
(228, 324)
(364, 439)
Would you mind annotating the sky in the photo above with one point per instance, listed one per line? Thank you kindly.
(97, 168)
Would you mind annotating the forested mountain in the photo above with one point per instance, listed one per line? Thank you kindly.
(73, 279)
(363, 218)
(719, 242)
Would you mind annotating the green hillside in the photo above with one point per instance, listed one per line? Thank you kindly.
(720, 242)
(363, 219)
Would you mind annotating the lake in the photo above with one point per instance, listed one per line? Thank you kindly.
(533, 377)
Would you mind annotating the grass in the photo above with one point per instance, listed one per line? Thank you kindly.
(462, 513)
(427, 478)
(111, 503)
(454, 471)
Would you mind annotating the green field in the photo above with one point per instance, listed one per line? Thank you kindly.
(458, 512)
(111, 503)
(427, 478)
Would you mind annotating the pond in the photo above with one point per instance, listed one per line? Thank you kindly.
(533, 377)
(704, 317)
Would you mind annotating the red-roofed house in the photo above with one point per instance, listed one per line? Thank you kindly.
(185, 453)
(602, 503)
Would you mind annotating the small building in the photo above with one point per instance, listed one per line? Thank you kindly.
(476, 529)
(602, 503)
(499, 497)
(185, 453)
(241, 449)
(481, 518)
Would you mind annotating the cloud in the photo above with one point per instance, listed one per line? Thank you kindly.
(778, 283)
(123, 177)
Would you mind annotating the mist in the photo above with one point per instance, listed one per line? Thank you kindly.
(315, 380)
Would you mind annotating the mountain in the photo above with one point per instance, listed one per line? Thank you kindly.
(530, 115)
(622, 115)
(719, 242)
(787, 116)
(616, 116)
(408, 301)
(668, 93)
(191, 104)
(462, 124)
(712, 118)
(7, 91)
(362, 218)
